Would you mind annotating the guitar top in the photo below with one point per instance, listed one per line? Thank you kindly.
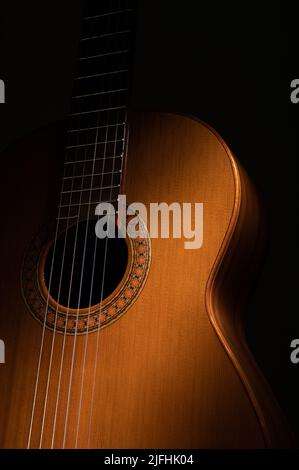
(126, 273)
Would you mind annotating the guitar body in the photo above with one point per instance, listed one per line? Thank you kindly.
(174, 370)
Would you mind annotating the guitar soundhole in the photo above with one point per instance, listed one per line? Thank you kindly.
(85, 269)
(77, 286)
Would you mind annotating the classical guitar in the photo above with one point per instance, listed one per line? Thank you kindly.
(134, 340)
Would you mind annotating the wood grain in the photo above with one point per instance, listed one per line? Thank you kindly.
(174, 371)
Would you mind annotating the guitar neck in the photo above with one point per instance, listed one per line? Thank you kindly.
(97, 124)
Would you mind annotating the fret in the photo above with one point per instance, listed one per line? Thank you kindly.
(100, 93)
(103, 165)
(107, 26)
(106, 6)
(61, 206)
(89, 189)
(102, 63)
(97, 195)
(100, 45)
(99, 106)
(88, 136)
(80, 216)
(104, 179)
(97, 127)
(94, 144)
(97, 110)
(103, 82)
(101, 74)
(76, 216)
(95, 120)
(99, 36)
(100, 103)
(92, 175)
(95, 159)
(96, 133)
(103, 135)
(106, 54)
(112, 134)
(78, 212)
(107, 14)
(81, 212)
(102, 149)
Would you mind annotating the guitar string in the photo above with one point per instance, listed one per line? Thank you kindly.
(53, 334)
(81, 277)
(102, 284)
(46, 311)
(62, 359)
(70, 285)
(86, 341)
(41, 349)
(59, 292)
(63, 349)
(80, 290)
(101, 302)
(74, 339)
(103, 277)
(89, 309)
(42, 338)
(81, 281)
(62, 268)
(53, 341)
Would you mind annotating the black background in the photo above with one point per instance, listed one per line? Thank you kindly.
(230, 64)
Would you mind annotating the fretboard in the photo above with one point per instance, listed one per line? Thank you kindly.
(97, 125)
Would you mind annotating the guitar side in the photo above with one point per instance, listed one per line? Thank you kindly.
(174, 371)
